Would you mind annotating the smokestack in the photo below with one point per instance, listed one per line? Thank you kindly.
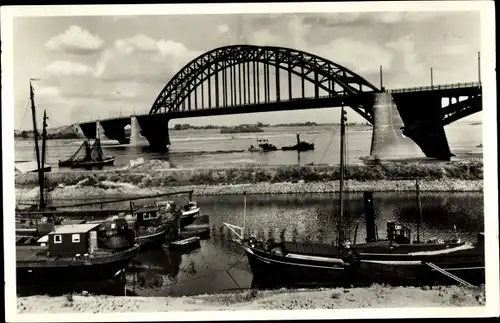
(369, 217)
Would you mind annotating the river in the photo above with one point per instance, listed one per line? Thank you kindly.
(220, 265)
(205, 148)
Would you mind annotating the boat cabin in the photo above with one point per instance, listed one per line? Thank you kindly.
(70, 240)
(147, 214)
(190, 206)
(398, 233)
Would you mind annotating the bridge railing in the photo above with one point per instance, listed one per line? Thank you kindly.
(437, 87)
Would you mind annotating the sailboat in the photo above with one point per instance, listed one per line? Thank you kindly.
(302, 263)
(73, 252)
(93, 156)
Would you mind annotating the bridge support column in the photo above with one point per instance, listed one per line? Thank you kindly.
(100, 130)
(388, 141)
(135, 131)
(155, 130)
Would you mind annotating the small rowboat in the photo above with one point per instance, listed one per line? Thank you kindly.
(188, 243)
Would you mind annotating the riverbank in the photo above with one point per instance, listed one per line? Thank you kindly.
(338, 298)
(112, 189)
(156, 173)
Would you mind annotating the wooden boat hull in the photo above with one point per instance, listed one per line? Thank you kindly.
(188, 217)
(105, 162)
(415, 264)
(278, 270)
(39, 272)
(150, 240)
(184, 244)
(203, 233)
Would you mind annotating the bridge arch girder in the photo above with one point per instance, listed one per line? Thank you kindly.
(322, 73)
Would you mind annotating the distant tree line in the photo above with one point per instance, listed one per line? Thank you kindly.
(187, 126)
(244, 128)
(55, 135)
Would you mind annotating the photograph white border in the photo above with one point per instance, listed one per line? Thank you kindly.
(488, 64)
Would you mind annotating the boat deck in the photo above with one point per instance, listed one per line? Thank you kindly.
(324, 250)
(36, 253)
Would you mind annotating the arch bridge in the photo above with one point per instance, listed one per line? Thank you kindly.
(247, 79)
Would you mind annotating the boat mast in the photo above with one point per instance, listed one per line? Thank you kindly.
(419, 203)
(37, 149)
(42, 170)
(342, 161)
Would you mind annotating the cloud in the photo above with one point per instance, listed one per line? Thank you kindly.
(69, 68)
(75, 39)
(362, 57)
(143, 58)
(264, 37)
(407, 59)
(222, 29)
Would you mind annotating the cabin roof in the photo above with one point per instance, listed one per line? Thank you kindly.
(75, 228)
(146, 209)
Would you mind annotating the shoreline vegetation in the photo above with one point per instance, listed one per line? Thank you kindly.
(150, 178)
(377, 296)
(70, 132)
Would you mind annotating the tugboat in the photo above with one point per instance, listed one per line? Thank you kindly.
(80, 252)
(149, 224)
(93, 156)
(265, 145)
(189, 211)
(300, 146)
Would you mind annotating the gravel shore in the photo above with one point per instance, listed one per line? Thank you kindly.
(372, 297)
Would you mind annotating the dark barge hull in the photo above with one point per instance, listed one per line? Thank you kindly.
(104, 162)
(50, 271)
(188, 219)
(151, 240)
(276, 270)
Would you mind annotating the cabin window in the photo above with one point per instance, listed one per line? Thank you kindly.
(75, 238)
(57, 238)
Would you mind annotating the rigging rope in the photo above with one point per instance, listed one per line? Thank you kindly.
(328, 147)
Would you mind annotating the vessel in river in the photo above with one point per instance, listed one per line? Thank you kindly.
(265, 145)
(188, 211)
(300, 146)
(92, 156)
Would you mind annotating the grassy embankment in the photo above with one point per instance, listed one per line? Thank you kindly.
(456, 176)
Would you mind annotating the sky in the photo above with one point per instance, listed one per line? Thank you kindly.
(95, 67)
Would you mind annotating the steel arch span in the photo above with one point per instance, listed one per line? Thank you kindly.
(217, 64)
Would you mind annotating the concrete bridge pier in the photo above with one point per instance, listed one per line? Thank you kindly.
(388, 141)
(135, 131)
(100, 130)
(155, 130)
